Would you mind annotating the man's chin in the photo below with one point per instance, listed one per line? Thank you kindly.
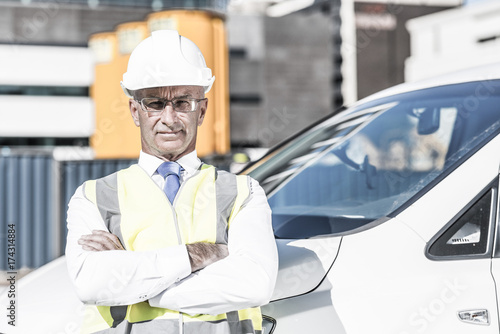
(172, 148)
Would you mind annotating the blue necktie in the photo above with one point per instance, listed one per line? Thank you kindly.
(170, 172)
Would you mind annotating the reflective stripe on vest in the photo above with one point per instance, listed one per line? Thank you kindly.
(136, 210)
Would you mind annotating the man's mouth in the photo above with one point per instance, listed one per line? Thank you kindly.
(169, 133)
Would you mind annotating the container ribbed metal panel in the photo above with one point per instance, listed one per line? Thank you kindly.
(34, 195)
(25, 201)
(74, 173)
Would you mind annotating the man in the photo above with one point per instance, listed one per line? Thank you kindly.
(170, 245)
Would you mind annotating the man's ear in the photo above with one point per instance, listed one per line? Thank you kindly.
(134, 111)
(203, 110)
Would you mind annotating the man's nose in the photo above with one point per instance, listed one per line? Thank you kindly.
(168, 115)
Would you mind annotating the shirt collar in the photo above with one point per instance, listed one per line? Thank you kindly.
(190, 162)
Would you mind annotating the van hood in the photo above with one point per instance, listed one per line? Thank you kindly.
(303, 264)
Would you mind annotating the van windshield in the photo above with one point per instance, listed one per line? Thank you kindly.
(367, 162)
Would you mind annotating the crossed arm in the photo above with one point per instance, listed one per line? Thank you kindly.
(200, 254)
(195, 279)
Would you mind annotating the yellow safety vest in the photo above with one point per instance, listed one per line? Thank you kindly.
(136, 210)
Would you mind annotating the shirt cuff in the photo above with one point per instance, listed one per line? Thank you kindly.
(173, 266)
(174, 260)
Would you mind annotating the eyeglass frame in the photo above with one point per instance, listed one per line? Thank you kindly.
(167, 101)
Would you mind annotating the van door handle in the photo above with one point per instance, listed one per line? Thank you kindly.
(477, 316)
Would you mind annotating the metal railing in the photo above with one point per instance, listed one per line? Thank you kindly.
(215, 5)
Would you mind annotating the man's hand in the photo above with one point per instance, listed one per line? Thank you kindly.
(100, 241)
(201, 254)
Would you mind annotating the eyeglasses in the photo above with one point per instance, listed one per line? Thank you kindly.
(156, 104)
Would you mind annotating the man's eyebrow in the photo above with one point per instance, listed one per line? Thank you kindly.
(183, 96)
(151, 92)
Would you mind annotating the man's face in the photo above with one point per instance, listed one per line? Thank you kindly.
(168, 134)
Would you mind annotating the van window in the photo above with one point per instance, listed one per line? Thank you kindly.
(468, 235)
(368, 162)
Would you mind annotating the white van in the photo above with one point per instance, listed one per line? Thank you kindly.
(385, 215)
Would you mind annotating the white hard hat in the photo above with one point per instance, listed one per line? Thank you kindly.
(166, 59)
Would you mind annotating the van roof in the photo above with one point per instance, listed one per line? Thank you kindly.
(478, 73)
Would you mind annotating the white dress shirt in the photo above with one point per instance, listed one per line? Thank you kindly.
(244, 279)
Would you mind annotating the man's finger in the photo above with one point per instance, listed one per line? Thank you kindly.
(91, 245)
(96, 243)
(100, 241)
(88, 247)
(110, 236)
